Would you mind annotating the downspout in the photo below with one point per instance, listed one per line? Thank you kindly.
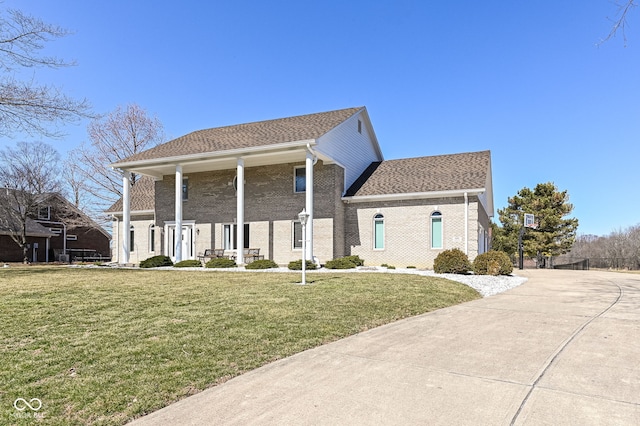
(466, 224)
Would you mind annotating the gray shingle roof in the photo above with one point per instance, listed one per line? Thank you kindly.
(249, 135)
(424, 174)
(142, 196)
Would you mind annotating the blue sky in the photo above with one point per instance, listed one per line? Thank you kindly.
(523, 79)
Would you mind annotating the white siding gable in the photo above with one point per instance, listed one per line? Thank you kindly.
(352, 150)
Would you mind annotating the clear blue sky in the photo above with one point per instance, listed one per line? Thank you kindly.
(523, 79)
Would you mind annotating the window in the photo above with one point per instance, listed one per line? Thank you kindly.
(436, 230)
(359, 126)
(300, 179)
(72, 237)
(229, 236)
(131, 239)
(297, 236)
(185, 189)
(378, 232)
(44, 213)
(152, 238)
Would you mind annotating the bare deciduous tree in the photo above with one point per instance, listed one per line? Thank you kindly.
(24, 105)
(118, 135)
(30, 174)
(620, 21)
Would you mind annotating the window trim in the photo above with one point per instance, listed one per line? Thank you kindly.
(152, 238)
(42, 217)
(233, 229)
(437, 215)
(295, 179)
(72, 237)
(378, 218)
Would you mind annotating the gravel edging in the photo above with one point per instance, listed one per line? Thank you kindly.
(486, 285)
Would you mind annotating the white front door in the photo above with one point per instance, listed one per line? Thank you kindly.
(187, 240)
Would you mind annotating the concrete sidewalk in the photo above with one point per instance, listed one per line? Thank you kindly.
(562, 349)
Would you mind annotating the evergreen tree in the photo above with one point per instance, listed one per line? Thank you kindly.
(554, 235)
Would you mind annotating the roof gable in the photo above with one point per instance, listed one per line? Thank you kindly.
(423, 175)
(142, 196)
(248, 135)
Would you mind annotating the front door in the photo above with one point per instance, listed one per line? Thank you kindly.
(186, 241)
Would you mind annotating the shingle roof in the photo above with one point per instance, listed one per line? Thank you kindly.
(424, 174)
(142, 196)
(248, 135)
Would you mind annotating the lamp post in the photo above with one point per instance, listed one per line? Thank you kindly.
(304, 216)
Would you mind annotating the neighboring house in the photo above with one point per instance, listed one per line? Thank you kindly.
(59, 232)
(262, 174)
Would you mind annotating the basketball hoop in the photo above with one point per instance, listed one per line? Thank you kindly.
(530, 221)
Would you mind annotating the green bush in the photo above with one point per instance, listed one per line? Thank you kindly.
(296, 265)
(190, 263)
(261, 264)
(355, 259)
(492, 263)
(452, 261)
(221, 262)
(340, 263)
(156, 262)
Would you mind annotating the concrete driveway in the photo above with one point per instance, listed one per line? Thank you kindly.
(562, 349)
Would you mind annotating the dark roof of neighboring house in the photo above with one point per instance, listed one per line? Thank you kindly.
(142, 196)
(424, 174)
(34, 229)
(248, 135)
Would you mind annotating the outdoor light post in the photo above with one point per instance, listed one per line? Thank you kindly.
(304, 216)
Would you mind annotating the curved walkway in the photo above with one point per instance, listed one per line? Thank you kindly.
(561, 349)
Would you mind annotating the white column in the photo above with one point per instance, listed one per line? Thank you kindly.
(178, 239)
(240, 212)
(126, 215)
(309, 203)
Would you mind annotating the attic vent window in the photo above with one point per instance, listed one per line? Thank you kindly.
(359, 126)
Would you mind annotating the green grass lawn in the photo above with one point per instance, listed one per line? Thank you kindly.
(103, 346)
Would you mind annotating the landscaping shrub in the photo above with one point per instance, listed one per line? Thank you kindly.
(190, 263)
(492, 263)
(296, 265)
(452, 261)
(156, 262)
(221, 262)
(355, 259)
(340, 263)
(262, 264)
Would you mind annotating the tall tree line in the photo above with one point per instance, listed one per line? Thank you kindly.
(618, 250)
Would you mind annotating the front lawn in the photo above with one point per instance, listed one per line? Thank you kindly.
(103, 346)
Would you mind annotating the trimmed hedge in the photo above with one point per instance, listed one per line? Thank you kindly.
(340, 263)
(355, 259)
(221, 262)
(189, 263)
(261, 264)
(296, 265)
(156, 262)
(493, 262)
(453, 261)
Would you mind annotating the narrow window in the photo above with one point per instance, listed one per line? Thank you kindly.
(300, 179)
(378, 232)
(436, 230)
(152, 238)
(131, 241)
(359, 126)
(229, 237)
(72, 237)
(44, 213)
(297, 236)
(185, 189)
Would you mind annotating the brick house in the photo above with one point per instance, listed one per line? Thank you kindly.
(262, 174)
(59, 231)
